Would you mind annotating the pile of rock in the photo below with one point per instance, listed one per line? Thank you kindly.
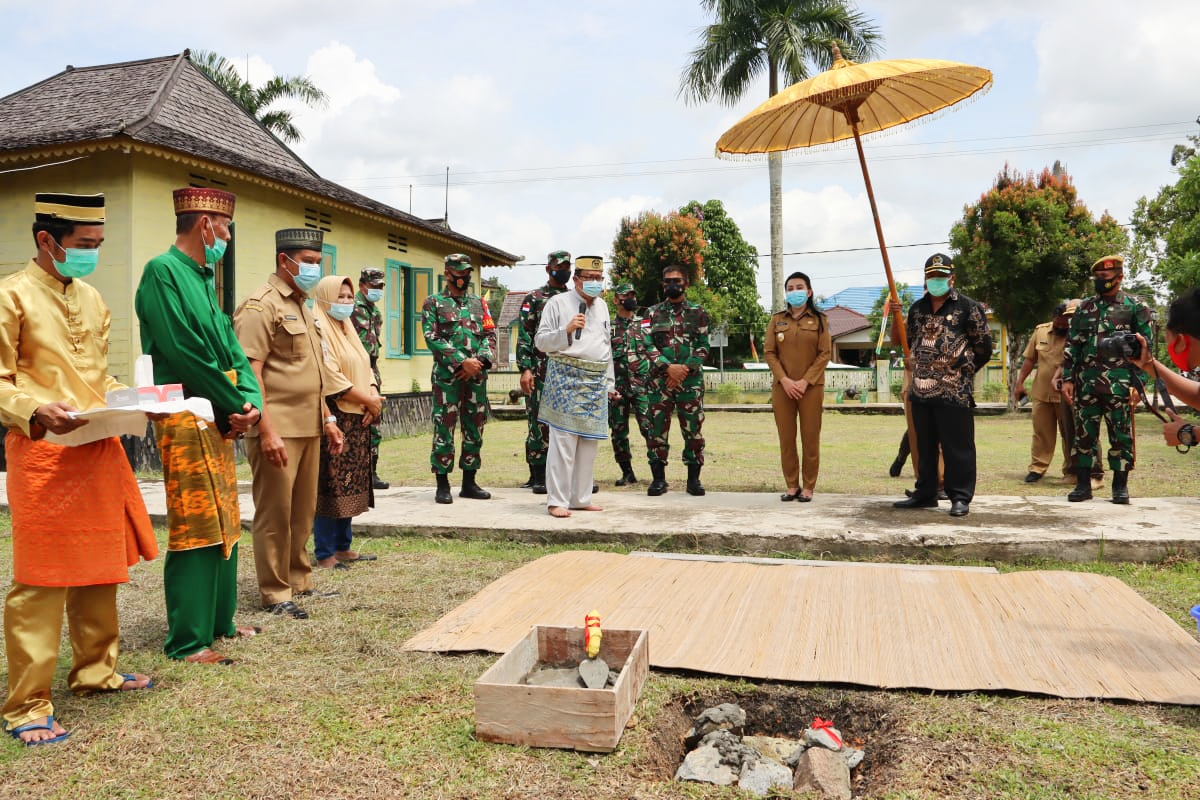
(720, 753)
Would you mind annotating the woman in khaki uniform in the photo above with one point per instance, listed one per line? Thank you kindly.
(797, 349)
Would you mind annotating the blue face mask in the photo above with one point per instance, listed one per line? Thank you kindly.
(938, 287)
(340, 311)
(309, 275)
(796, 297)
(593, 288)
(79, 263)
(216, 251)
(374, 295)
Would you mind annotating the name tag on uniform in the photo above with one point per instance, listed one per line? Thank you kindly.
(290, 317)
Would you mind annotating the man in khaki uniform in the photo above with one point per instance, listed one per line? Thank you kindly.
(283, 342)
(1051, 416)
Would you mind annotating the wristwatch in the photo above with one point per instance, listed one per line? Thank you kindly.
(331, 418)
(1187, 435)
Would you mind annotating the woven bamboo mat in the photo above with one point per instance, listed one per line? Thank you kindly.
(1065, 634)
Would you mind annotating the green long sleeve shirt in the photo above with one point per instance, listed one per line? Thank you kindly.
(189, 337)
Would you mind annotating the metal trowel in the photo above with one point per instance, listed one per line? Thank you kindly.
(593, 670)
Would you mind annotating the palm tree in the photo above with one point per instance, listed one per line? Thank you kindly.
(782, 37)
(257, 99)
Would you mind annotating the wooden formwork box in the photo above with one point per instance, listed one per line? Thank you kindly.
(555, 716)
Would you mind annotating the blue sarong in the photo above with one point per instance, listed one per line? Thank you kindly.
(575, 396)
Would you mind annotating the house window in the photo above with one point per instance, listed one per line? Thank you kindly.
(328, 260)
(395, 329)
(397, 242)
(321, 220)
(199, 181)
(420, 286)
(223, 283)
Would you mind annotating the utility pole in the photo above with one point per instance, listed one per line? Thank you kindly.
(446, 214)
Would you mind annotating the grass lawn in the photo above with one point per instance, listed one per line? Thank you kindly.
(331, 708)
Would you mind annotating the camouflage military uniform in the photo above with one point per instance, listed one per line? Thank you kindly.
(676, 334)
(530, 358)
(1103, 385)
(631, 366)
(455, 331)
(368, 321)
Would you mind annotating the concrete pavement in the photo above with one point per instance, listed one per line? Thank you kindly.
(1003, 528)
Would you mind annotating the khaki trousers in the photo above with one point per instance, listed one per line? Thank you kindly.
(32, 632)
(808, 409)
(1045, 433)
(285, 500)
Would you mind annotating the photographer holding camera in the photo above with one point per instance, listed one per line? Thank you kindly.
(1097, 377)
(1183, 345)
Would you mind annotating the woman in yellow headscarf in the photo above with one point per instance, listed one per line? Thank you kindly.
(344, 486)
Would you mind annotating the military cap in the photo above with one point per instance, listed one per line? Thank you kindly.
(299, 239)
(589, 264)
(623, 288)
(202, 200)
(458, 261)
(1108, 262)
(1071, 307)
(558, 257)
(938, 264)
(84, 208)
(371, 276)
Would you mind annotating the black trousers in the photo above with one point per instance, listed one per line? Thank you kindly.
(953, 429)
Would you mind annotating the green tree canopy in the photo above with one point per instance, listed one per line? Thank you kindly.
(1026, 245)
(257, 100)
(783, 38)
(1166, 228)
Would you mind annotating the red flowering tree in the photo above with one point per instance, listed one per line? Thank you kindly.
(650, 242)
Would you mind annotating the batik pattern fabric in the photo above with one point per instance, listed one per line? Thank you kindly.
(575, 396)
(947, 347)
(200, 482)
(344, 485)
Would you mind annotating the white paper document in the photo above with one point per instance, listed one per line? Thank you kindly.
(127, 420)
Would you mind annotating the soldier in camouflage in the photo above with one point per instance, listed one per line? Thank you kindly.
(1098, 385)
(632, 368)
(457, 332)
(532, 364)
(676, 343)
(368, 321)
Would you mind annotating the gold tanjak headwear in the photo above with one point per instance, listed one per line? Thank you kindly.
(84, 208)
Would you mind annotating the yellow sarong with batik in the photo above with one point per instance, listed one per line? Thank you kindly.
(201, 483)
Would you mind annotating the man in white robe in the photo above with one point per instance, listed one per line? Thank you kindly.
(575, 334)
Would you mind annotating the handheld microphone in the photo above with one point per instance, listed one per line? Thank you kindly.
(582, 310)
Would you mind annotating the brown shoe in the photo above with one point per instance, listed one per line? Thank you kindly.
(207, 656)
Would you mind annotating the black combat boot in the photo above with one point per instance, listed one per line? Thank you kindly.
(376, 481)
(659, 484)
(470, 489)
(627, 477)
(532, 474)
(539, 479)
(694, 486)
(443, 491)
(1120, 488)
(1083, 487)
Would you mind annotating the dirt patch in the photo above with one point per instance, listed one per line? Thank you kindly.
(870, 721)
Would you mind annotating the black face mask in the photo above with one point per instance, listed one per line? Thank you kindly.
(561, 276)
(1105, 285)
(629, 304)
(673, 290)
(460, 282)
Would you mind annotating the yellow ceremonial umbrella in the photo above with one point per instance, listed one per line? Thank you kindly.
(850, 100)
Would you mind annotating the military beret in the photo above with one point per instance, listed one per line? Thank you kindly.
(558, 257)
(1108, 262)
(85, 208)
(623, 288)
(299, 239)
(458, 261)
(939, 263)
(371, 275)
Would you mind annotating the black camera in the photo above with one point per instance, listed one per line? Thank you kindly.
(1119, 346)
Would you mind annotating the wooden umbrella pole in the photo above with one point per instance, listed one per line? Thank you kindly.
(851, 117)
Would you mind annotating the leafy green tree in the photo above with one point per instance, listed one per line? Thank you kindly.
(650, 242)
(730, 266)
(257, 100)
(785, 39)
(1166, 229)
(1026, 245)
(876, 315)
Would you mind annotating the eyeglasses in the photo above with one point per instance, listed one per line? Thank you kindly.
(590, 276)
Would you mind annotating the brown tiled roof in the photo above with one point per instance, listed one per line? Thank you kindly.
(511, 307)
(844, 320)
(170, 103)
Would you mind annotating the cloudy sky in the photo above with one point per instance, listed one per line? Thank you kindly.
(556, 119)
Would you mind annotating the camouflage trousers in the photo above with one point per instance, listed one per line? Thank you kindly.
(1118, 417)
(618, 423)
(688, 405)
(456, 402)
(537, 440)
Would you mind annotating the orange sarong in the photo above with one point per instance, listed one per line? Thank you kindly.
(78, 517)
(201, 484)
